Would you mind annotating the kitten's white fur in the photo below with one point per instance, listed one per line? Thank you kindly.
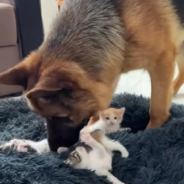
(109, 145)
(99, 159)
(102, 125)
(21, 145)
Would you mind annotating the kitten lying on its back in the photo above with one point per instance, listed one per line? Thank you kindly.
(99, 157)
(96, 153)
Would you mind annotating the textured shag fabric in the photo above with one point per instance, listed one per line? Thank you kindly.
(156, 156)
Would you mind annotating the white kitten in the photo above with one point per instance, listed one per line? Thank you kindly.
(99, 158)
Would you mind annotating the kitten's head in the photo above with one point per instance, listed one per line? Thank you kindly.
(74, 158)
(112, 116)
(77, 157)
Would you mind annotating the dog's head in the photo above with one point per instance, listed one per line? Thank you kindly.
(53, 88)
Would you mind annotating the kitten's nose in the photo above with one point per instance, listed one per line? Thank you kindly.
(112, 123)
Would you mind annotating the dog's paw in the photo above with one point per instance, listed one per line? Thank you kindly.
(18, 145)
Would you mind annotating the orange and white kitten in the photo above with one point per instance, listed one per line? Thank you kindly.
(109, 121)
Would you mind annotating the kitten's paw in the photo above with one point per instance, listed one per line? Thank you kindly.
(86, 138)
(18, 145)
(125, 153)
(14, 144)
(62, 149)
(125, 129)
(85, 130)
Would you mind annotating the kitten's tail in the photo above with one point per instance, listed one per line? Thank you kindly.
(113, 179)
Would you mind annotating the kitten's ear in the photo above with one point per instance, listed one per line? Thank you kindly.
(93, 120)
(121, 111)
(101, 113)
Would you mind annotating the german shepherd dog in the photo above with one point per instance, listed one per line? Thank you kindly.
(74, 73)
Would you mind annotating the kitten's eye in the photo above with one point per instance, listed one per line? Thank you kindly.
(115, 117)
(107, 118)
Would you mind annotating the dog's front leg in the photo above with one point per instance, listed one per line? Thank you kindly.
(161, 75)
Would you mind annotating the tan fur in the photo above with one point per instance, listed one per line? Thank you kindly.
(153, 38)
(153, 47)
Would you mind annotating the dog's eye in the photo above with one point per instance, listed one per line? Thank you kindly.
(107, 118)
(115, 117)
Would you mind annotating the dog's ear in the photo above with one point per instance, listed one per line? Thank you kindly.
(18, 75)
(48, 88)
(45, 95)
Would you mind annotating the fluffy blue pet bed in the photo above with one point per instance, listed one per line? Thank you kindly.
(156, 156)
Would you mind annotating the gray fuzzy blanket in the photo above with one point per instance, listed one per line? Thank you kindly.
(156, 156)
